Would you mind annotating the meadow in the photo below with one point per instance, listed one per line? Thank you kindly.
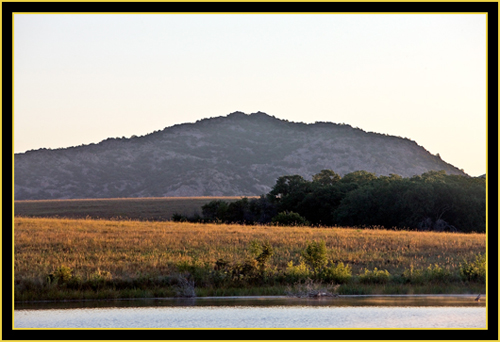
(57, 258)
(148, 208)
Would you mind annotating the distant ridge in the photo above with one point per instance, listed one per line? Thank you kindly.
(233, 155)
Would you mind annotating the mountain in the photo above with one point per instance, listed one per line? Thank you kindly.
(233, 155)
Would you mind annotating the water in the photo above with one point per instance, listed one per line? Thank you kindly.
(263, 312)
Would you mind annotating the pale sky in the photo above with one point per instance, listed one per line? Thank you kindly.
(81, 78)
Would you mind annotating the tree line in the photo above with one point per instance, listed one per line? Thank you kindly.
(430, 201)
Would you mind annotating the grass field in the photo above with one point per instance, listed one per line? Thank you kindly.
(126, 258)
(153, 209)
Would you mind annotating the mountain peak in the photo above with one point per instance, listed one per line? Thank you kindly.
(239, 114)
(259, 113)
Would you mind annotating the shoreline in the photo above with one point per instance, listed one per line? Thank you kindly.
(250, 298)
(247, 297)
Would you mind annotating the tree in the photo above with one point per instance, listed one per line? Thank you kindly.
(262, 210)
(238, 211)
(318, 205)
(326, 177)
(289, 192)
(286, 185)
(215, 210)
(359, 177)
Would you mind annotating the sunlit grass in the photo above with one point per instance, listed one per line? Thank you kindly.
(133, 249)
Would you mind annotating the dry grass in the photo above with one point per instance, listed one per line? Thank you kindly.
(152, 208)
(128, 249)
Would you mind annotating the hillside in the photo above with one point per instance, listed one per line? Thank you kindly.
(235, 155)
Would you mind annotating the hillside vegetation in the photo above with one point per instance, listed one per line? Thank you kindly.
(76, 259)
(237, 155)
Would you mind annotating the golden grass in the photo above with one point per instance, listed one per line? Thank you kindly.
(151, 208)
(128, 249)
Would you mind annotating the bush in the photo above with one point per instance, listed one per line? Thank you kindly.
(99, 278)
(265, 254)
(474, 271)
(295, 273)
(179, 218)
(414, 276)
(315, 256)
(374, 277)
(338, 273)
(289, 218)
(437, 274)
(61, 275)
(252, 270)
(247, 270)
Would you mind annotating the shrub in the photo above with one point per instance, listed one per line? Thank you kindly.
(374, 277)
(437, 274)
(61, 275)
(474, 271)
(295, 273)
(414, 276)
(221, 273)
(264, 256)
(251, 270)
(315, 256)
(289, 218)
(221, 265)
(246, 270)
(176, 217)
(195, 270)
(338, 273)
(99, 278)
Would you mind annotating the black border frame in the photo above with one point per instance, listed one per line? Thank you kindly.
(8, 8)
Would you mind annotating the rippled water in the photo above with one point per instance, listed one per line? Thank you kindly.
(263, 313)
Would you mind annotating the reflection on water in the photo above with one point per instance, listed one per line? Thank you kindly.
(264, 312)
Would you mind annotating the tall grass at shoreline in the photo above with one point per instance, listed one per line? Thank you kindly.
(133, 258)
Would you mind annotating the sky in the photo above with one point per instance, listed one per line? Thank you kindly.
(82, 78)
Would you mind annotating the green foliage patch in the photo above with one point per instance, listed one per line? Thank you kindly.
(290, 219)
(474, 271)
(433, 201)
(375, 276)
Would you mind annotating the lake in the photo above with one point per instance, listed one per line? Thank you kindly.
(259, 312)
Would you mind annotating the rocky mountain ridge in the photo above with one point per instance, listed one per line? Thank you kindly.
(232, 155)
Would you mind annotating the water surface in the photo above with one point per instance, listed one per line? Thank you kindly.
(262, 312)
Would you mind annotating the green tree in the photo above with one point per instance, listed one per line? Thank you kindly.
(359, 177)
(288, 193)
(262, 210)
(238, 211)
(286, 185)
(215, 210)
(326, 177)
(318, 205)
